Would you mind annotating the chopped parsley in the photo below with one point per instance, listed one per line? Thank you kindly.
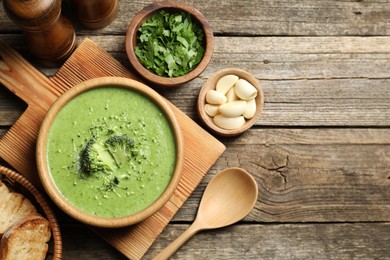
(170, 44)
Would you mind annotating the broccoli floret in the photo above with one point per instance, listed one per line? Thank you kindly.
(120, 148)
(95, 157)
(100, 156)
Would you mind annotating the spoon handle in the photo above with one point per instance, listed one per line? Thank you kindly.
(177, 243)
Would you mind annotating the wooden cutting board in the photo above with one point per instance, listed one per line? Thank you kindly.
(17, 147)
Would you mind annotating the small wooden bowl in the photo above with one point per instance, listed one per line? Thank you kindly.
(18, 183)
(131, 42)
(211, 83)
(41, 152)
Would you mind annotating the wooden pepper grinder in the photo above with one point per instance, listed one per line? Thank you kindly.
(95, 14)
(48, 35)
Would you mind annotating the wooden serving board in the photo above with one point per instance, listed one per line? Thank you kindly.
(17, 147)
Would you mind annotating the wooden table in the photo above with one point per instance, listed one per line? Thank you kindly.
(320, 152)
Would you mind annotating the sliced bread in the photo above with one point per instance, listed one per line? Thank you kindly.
(26, 239)
(13, 206)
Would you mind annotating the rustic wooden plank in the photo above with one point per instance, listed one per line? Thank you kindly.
(318, 182)
(261, 17)
(344, 82)
(280, 58)
(305, 57)
(327, 102)
(286, 58)
(285, 241)
(312, 136)
(317, 102)
(299, 241)
(338, 102)
(310, 175)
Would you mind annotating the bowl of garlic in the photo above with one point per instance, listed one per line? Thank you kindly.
(230, 102)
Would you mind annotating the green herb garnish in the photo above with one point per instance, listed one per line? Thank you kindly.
(170, 44)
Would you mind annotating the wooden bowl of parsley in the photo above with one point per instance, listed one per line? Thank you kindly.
(169, 43)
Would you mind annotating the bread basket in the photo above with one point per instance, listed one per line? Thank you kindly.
(18, 183)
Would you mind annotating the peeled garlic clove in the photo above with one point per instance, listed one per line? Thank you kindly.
(229, 123)
(245, 90)
(250, 109)
(233, 109)
(231, 95)
(211, 110)
(214, 97)
(225, 83)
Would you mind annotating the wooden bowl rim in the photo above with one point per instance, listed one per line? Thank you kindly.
(210, 84)
(39, 200)
(44, 174)
(131, 42)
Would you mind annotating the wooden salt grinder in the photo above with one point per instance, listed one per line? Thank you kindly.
(95, 14)
(48, 35)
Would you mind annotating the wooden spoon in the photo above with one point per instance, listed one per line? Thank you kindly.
(228, 198)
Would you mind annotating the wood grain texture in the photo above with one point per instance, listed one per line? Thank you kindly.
(310, 175)
(318, 182)
(18, 145)
(307, 81)
(283, 241)
(277, 17)
(283, 58)
(286, 241)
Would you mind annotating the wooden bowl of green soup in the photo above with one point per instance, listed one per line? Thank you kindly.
(169, 43)
(110, 152)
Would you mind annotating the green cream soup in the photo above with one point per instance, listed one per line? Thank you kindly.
(124, 188)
